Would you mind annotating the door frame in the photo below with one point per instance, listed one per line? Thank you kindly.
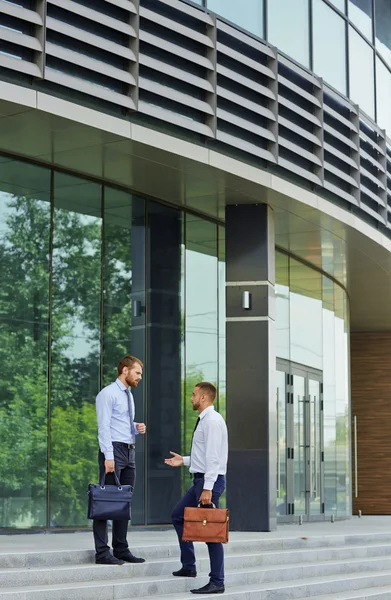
(290, 369)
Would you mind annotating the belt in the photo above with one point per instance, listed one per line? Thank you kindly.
(199, 475)
(129, 446)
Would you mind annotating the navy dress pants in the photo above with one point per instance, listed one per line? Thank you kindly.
(125, 467)
(216, 551)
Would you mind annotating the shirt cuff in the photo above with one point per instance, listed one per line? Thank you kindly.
(208, 484)
(109, 455)
(186, 461)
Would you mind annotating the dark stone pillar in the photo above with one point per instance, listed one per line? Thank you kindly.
(251, 366)
(164, 391)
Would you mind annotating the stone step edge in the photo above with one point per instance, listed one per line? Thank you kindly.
(175, 561)
(285, 585)
(235, 591)
(199, 546)
(232, 544)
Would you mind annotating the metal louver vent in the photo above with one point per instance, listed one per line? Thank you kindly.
(178, 67)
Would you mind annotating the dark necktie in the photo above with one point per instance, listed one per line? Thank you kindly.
(130, 410)
(191, 445)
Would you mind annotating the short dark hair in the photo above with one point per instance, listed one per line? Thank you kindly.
(128, 361)
(207, 388)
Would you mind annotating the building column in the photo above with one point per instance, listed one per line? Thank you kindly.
(251, 367)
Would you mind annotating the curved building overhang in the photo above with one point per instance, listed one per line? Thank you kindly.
(56, 132)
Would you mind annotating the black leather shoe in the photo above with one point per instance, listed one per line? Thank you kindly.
(185, 573)
(210, 588)
(109, 560)
(130, 558)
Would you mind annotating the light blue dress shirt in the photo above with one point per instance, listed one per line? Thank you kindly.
(115, 424)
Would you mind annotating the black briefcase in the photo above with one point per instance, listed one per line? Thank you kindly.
(109, 502)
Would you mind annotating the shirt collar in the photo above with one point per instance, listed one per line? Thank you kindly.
(206, 411)
(120, 385)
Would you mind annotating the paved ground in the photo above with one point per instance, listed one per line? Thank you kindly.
(42, 542)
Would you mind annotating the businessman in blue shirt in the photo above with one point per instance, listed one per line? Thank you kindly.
(117, 432)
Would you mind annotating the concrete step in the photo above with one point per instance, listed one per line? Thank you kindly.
(238, 587)
(273, 551)
(376, 593)
(252, 564)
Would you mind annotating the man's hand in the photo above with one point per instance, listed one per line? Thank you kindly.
(206, 497)
(141, 427)
(109, 466)
(176, 461)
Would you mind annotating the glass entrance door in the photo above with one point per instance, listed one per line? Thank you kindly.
(299, 443)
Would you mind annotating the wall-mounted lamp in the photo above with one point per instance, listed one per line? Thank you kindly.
(137, 308)
(246, 300)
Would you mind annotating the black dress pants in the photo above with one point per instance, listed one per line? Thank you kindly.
(125, 467)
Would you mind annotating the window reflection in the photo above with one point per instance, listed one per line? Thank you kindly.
(319, 334)
(290, 34)
(201, 310)
(360, 13)
(24, 317)
(361, 69)
(383, 29)
(305, 315)
(250, 18)
(329, 34)
(77, 240)
(383, 95)
(282, 306)
(124, 303)
(221, 319)
(340, 4)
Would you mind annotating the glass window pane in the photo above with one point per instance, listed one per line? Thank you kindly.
(282, 306)
(77, 242)
(305, 315)
(329, 45)
(361, 69)
(24, 317)
(250, 19)
(290, 34)
(222, 337)
(201, 330)
(340, 4)
(383, 95)
(360, 13)
(383, 28)
(124, 304)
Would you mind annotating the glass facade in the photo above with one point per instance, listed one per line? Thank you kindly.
(290, 34)
(90, 273)
(345, 42)
(312, 346)
(329, 49)
(250, 19)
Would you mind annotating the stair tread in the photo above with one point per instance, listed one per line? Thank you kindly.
(175, 562)
(372, 591)
(249, 587)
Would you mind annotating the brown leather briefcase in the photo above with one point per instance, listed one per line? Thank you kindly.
(206, 524)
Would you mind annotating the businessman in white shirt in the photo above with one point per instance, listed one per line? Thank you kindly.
(208, 464)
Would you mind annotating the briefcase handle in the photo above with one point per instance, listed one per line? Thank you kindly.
(202, 505)
(117, 481)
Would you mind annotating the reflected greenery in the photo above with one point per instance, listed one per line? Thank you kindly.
(24, 308)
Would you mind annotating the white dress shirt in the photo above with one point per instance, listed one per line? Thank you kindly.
(209, 450)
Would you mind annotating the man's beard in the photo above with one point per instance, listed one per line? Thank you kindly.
(130, 381)
(196, 406)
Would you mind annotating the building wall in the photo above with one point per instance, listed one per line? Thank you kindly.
(371, 405)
